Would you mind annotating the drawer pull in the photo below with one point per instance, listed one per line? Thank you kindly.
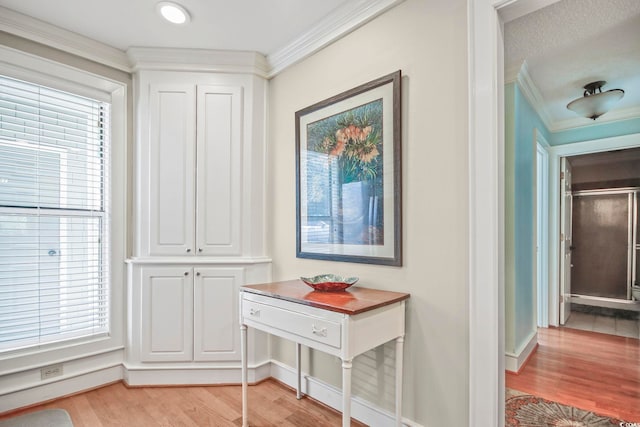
(254, 312)
(322, 332)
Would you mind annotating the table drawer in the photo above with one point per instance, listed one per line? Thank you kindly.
(297, 323)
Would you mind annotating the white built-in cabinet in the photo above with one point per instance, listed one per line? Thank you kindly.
(199, 217)
(194, 188)
(187, 314)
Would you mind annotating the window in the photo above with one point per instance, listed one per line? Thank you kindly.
(54, 215)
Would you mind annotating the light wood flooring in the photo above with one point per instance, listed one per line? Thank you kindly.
(270, 404)
(597, 372)
(588, 370)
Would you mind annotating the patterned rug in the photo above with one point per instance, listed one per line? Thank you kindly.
(523, 410)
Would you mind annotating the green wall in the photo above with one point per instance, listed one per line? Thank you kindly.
(520, 205)
(521, 121)
(596, 131)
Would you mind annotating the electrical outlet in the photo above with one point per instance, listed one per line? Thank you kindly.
(51, 371)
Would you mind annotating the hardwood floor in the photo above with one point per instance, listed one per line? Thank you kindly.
(592, 371)
(270, 404)
(597, 372)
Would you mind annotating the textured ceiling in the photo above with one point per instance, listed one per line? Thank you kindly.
(566, 24)
(573, 42)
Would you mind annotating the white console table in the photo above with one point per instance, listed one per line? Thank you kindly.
(343, 324)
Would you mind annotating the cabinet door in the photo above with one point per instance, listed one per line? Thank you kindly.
(167, 314)
(219, 151)
(216, 325)
(172, 164)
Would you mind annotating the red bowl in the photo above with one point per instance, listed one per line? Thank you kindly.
(329, 282)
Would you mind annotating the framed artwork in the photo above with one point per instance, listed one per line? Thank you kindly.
(348, 176)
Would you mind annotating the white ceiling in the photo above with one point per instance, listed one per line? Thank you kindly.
(574, 42)
(248, 25)
(566, 44)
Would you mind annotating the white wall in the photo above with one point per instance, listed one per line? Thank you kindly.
(427, 40)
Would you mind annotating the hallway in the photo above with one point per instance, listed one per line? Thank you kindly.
(592, 371)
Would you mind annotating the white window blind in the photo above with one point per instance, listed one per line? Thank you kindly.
(54, 215)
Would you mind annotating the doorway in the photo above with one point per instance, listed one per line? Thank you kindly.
(486, 188)
(556, 153)
(601, 243)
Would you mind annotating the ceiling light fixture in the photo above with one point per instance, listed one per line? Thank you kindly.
(173, 12)
(595, 102)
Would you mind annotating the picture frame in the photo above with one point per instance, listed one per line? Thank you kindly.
(348, 175)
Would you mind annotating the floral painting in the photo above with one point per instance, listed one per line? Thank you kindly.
(350, 146)
(348, 175)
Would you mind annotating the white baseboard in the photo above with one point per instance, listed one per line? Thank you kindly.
(25, 389)
(167, 375)
(361, 410)
(65, 386)
(140, 376)
(514, 361)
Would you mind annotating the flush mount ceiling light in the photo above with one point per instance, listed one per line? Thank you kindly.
(173, 12)
(595, 102)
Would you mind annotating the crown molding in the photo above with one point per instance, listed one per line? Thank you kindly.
(42, 32)
(511, 72)
(204, 60)
(332, 27)
(514, 9)
(532, 93)
(609, 117)
(340, 22)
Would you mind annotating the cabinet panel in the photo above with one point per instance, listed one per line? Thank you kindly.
(215, 299)
(172, 169)
(167, 314)
(219, 143)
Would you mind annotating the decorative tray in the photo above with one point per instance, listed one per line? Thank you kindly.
(329, 282)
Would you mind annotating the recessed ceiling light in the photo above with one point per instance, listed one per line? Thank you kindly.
(173, 12)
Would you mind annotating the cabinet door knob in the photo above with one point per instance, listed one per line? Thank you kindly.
(254, 312)
(186, 273)
(188, 250)
(199, 249)
(198, 273)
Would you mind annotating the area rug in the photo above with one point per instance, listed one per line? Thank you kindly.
(523, 410)
(45, 418)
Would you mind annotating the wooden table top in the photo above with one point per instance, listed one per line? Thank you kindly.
(351, 301)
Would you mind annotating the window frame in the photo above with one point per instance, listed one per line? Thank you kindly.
(25, 66)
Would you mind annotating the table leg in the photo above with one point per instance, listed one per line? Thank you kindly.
(346, 393)
(298, 372)
(399, 355)
(243, 344)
